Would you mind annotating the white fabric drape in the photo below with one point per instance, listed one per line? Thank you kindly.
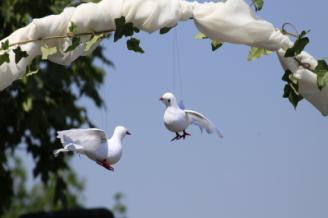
(226, 21)
(307, 80)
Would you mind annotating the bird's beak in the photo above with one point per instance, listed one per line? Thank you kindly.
(161, 98)
(128, 133)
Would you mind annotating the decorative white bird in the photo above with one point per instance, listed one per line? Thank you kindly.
(177, 119)
(94, 144)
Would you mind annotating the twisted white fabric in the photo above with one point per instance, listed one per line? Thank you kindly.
(226, 21)
(307, 80)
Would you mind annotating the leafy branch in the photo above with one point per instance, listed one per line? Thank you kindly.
(258, 4)
(46, 51)
(122, 29)
(291, 88)
(299, 45)
(214, 44)
(68, 35)
(255, 53)
(127, 29)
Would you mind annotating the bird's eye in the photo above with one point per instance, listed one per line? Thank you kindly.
(169, 100)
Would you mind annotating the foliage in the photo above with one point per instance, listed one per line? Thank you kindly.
(291, 88)
(94, 39)
(255, 53)
(119, 208)
(299, 45)
(258, 4)
(46, 51)
(134, 45)
(322, 73)
(4, 57)
(34, 107)
(19, 54)
(214, 44)
(37, 197)
(127, 30)
(200, 36)
(164, 30)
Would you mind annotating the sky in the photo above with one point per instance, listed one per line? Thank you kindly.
(272, 161)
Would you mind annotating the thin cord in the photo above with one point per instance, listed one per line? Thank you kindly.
(103, 115)
(102, 112)
(178, 63)
(173, 64)
(177, 66)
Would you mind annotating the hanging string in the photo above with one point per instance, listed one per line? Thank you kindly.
(173, 63)
(103, 92)
(102, 110)
(177, 66)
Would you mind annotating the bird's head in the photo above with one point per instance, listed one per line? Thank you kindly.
(168, 99)
(121, 131)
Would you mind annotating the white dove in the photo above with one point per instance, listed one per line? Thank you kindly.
(94, 144)
(177, 119)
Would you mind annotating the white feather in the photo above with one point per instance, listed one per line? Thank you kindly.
(201, 121)
(90, 139)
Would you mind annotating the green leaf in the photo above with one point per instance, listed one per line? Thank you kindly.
(258, 4)
(72, 27)
(5, 45)
(165, 30)
(27, 104)
(133, 44)
(215, 45)
(303, 33)
(123, 29)
(322, 73)
(200, 36)
(30, 73)
(291, 88)
(19, 54)
(298, 46)
(289, 77)
(293, 98)
(75, 43)
(255, 53)
(46, 51)
(92, 41)
(4, 58)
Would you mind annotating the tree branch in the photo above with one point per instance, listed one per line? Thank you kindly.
(69, 35)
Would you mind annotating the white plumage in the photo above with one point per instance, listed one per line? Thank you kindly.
(94, 144)
(177, 119)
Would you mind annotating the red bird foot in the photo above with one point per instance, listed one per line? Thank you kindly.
(105, 164)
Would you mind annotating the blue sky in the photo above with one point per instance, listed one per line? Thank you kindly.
(272, 161)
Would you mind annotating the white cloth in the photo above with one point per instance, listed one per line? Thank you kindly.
(234, 21)
(307, 80)
(225, 21)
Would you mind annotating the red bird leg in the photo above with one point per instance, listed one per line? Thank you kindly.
(105, 164)
(185, 134)
(177, 137)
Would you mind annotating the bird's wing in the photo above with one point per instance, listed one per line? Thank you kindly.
(201, 121)
(88, 139)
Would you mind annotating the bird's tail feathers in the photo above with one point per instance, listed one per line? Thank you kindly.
(56, 152)
(68, 147)
(203, 122)
(218, 132)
